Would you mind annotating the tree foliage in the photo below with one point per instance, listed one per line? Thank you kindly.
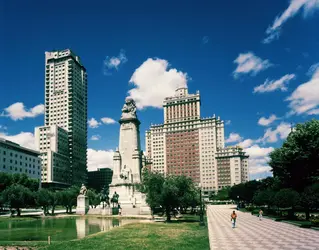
(244, 191)
(6, 180)
(264, 197)
(94, 198)
(43, 198)
(296, 163)
(286, 198)
(17, 197)
(169, 192)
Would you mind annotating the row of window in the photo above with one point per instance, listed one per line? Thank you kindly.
(19, 170)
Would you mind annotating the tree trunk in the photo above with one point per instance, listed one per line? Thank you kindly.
(67, 209)
(307, 213)
(70, 209)
(291, 213)
(52, 210)
(18, 211)
(168, 214)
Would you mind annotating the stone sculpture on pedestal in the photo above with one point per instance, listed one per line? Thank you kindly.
(127, 163)
(82, 206)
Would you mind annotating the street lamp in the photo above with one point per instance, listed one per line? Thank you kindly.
(201, 213)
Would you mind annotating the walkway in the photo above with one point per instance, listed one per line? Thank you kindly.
(250, 233)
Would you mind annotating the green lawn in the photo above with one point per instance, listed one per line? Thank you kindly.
(175, 235)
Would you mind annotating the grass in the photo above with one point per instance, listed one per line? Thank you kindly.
(149, 236)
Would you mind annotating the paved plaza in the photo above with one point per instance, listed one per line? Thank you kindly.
(250, 233)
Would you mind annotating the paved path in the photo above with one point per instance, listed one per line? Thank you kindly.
(250, 233)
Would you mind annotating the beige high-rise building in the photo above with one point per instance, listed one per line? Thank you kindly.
(65, 107)
(186, 144)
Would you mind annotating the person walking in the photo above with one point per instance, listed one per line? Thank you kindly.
(260, 214)
(233, 217)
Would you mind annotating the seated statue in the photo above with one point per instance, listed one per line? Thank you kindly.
(129, 109)
(83, 190)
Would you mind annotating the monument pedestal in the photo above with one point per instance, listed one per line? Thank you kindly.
(127, 163)
(82, 206)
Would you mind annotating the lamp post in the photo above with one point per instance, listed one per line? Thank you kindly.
(201, 213)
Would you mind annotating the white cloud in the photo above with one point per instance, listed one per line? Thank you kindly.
(272, 135)
(233, 137)
(256, 152)
(248, 63)
(314, 70)
(258, 161)
(93, 123)
(25, 139)
(246, 143)
(273, 32)
(263, 121)
(228, 122)
(114, 62)
(305, 98)
(205, 39)
(270, 86)
(95, 137)
(107, 120)
(17, 111)
(153, 81)
(99, 159)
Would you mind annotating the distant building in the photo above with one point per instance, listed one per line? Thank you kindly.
(66, 107)
(232, 166)
(15, 159)
(186, 144)
(100, 178)
(52, 142)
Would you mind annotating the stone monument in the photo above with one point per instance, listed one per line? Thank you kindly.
(82, 206)
(127, 163)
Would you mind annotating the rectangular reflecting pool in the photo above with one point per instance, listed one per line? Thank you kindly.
(59, 229)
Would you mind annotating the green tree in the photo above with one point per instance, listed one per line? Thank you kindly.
(94, 198)
(296, 162)
(5, 180)
(17, 197)
(54, 200)
(244, 191)
(43, 198)
(264, 197)
(68, 198)
(152, 183)
(187, 193)
(222, 194)
(287, 198)
(310, 199)
(169, 192)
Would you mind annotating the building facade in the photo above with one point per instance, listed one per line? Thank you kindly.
(65, 107)
(15, 159)
(232, 166)
(52, 142)
(186, 144)
(99, 179)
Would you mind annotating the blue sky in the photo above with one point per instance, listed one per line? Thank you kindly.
(250, 60)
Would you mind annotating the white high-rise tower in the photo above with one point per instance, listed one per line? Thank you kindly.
(63, 140)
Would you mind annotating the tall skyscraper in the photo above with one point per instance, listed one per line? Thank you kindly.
(66, 108)
(186, 144)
